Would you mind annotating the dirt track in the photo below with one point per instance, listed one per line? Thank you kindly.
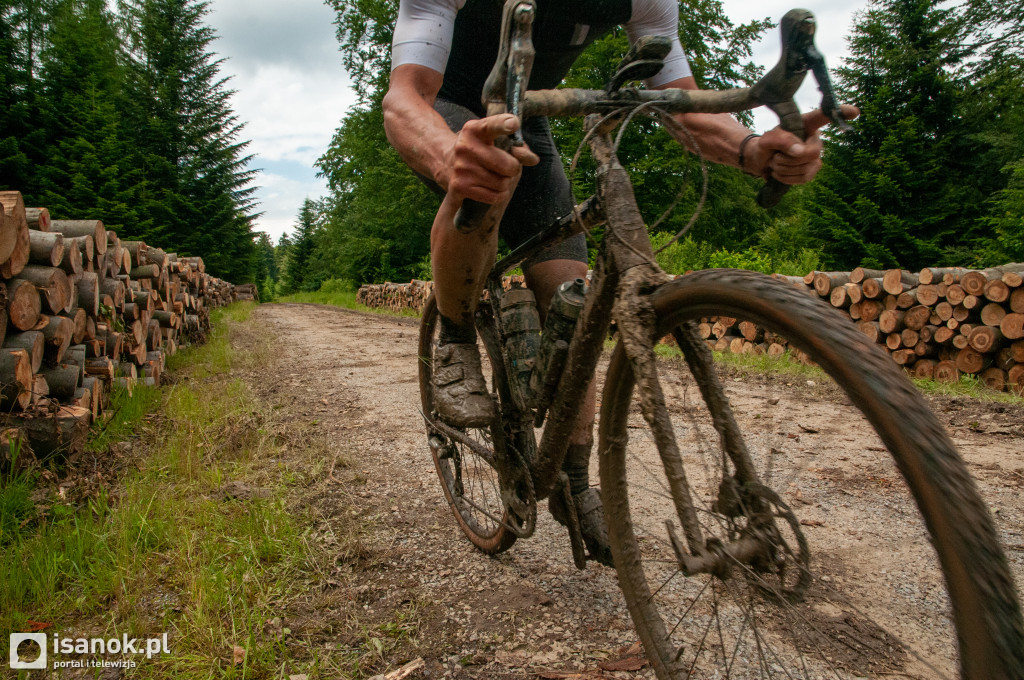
(529, 612)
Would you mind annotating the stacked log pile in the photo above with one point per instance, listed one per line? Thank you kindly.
(938, 323)
(399, 297)
(84, 312)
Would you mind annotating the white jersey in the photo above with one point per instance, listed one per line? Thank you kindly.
(425, 30)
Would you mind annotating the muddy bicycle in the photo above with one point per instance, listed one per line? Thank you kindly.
(729, 566)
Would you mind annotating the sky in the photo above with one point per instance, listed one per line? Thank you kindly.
(292, 91)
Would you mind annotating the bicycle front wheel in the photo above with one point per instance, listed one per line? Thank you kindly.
(471, 484)
(883, 565)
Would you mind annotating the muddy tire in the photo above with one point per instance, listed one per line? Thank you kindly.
(471, 486)
(850, 621)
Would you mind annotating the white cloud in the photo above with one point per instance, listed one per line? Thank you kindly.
(281, 198)
(291, 93)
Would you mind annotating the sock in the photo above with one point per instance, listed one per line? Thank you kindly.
(453, 332)
(577, 467)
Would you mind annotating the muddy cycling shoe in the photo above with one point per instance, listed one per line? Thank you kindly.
(460, 392)
(591, 514)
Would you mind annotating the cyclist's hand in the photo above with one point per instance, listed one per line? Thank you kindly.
(783, 156)
(477, 169)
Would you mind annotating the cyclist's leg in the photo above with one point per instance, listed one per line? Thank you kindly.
(460, 263)
(544, 195)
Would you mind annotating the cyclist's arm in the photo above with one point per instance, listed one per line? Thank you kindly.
(777, 153)
(413, 127)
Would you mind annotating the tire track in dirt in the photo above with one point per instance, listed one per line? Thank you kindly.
(352, 376)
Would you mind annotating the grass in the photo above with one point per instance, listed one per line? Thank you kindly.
(164, 549)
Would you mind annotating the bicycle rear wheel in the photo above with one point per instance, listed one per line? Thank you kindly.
(471, 485)
(842, 595)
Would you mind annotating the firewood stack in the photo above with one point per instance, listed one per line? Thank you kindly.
(938, 323)
(83, 312)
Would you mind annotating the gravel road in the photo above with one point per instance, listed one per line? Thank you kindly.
(529, 612)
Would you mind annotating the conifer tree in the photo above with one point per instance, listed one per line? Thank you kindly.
(296, 271)
(88, 169)
(198, 194)
(905, 187)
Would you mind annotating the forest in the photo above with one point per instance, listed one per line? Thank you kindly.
(932, 174)
(120, 112)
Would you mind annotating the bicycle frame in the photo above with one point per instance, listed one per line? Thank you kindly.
(626, 266)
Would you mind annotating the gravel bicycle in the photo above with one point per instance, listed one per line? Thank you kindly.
(709, 498)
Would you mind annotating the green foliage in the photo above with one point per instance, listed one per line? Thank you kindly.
(690, 255)
(124, 117)
(297, 274)
(1007, 220)
(377, 220)
(909, 185)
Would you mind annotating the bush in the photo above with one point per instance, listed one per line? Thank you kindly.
(688, 255)
(332, 286)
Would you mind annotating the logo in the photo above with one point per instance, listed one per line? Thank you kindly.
(16, 660)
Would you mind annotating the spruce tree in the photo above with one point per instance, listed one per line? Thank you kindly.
(87, 171)
(188, 140)
(22, 139)
(296, 272)
(908, 186)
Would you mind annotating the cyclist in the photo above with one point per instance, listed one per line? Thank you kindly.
(442, 52)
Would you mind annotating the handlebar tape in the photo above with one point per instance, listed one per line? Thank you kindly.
(791, 121)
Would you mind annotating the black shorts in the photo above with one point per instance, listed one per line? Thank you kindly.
(542, 196)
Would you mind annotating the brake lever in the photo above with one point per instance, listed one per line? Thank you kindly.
(504, 90)
(828, 98)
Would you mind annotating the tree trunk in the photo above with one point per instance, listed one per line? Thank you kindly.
(71, 263)
(38, 218)
(79, 318)
(53, 283)
(86, 246)
(1017, 301)
(924, 369)
(872, 288)
(1012, 326)
(970, 360)
(45, 248)
(996, 291)
(63, 380)
(891, 321)
(89, 293)
(985, 339)
(955, 294)
(15, 379)
(859, 274)
(32, 342)
(895, 281)
(23, 304)
(995, 378)
(13, 208)
(100, 366)
(947, 372)
(62, 434)
(75, 228)
(58, 333)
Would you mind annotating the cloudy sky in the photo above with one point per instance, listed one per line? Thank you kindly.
(292, 90)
